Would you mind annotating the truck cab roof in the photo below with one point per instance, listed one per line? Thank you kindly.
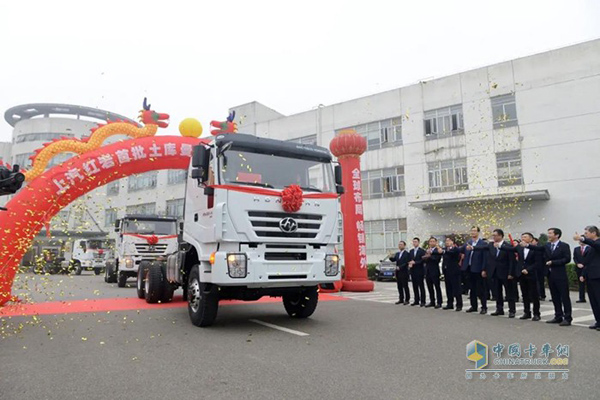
(149, 217)
(241, 141)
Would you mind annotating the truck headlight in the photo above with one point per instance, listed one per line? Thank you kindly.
(332, 264)
(237, 264)
(129, 262)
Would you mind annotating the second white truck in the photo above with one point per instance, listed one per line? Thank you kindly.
(141, 240)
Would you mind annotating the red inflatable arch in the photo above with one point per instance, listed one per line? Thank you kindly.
(47, 194)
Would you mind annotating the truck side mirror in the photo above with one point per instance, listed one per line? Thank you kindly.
(117, 225)
(338, 174)
(181, 228)
(200, 163)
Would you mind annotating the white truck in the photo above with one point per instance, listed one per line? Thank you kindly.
(141, 240)
(87, 254)
(238, 242)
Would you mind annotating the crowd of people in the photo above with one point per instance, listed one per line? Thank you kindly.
(493, 269)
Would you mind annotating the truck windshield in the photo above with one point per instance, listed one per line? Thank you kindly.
(149, 227)
(243, 167)
(96, 244)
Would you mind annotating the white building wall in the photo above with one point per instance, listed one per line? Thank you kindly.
(558, 111)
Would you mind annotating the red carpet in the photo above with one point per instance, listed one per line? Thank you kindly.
(117, 304)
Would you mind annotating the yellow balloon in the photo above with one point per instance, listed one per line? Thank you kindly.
(190, 127)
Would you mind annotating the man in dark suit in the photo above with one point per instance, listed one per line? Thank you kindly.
(432, 259)
(500, 267)
(402, 258)
(525, 270)
(591, 271)
(474, 262)
(582, 255)
(557, 255)
(417, 272)
(452, 274)
(541, 270)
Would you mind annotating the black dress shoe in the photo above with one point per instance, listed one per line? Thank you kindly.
(448, 308)
(554, 321)
(565, 323)
(406, 303)
(525, 316)
(399, 302)
(438, 306)
(483, 311)
(495, 313)
(458, 308)
(414, 304)
(536, 318)
(594, 326)
(472, 309)
(580, 301)
(422, 304)
(542, 298)
(429, 305)
(511, 315)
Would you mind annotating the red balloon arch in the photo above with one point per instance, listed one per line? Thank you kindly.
(32, 207)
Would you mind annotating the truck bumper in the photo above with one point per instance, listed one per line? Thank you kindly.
(269, 267)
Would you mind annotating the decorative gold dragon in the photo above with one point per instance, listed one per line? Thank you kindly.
(151, 120)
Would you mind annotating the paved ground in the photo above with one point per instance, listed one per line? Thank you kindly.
(361, 348)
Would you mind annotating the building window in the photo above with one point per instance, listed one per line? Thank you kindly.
(112, 188)
(59, 159)
(509, 168)
(444, 122)
(142, 209)
(382, 236)
(380, 134)
(448, 176)
(380, 183)
(110, 216)
(310, 139)
(44, 136)
(175, 208)
(504, 111)
(176, 176)
(142, 181)
(22, 160)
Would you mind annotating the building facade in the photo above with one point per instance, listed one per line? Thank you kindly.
(513, 145)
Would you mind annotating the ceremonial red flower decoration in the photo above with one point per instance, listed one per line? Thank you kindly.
(292, 198)
(152, 240)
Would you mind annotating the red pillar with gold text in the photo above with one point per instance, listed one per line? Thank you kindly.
(348, 146)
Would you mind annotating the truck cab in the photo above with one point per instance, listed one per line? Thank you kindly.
(241, 240)
(142, 239)
(87, 254)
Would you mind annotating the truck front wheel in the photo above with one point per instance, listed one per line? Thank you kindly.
(203, 299)
(110, 275)
(154, 285)
(122, 279)
(303, 304)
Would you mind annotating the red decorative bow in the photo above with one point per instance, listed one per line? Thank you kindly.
(291, 198)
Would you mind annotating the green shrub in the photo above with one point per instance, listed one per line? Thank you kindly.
(572, 275)
(371, 270)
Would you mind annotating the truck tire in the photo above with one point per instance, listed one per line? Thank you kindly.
(110, 275)
(154, 284)
(303, 304)
(97, 271)
(122, 279)
(141, 279)
(78, 269)
(203, 300)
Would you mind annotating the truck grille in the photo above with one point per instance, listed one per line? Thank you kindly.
(266, 224)
(146, 249)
